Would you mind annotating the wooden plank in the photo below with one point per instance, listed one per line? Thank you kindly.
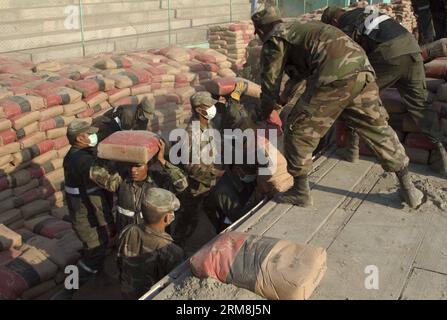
(340, 218)
(433, 253)
(301, 224)
(380, 234)
(426, 285)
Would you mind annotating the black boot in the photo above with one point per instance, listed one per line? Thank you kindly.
(412, 196)
(438, 161)
(299, 194)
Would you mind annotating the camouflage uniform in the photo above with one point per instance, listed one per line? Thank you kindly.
(340, 82)
(202, 177)
(130, 192)
(395, 56)
(146, 255)
(89, 209)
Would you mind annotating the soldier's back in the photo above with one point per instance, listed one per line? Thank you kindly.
(145, 256)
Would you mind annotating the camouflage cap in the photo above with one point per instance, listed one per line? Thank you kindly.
(160, 201)
(329, 14)
(202, 98)
(266, 16)
(148, 107)
(77, 127)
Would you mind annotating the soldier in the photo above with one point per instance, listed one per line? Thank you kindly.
(395, 56)
(234, 195)
(146, 252)
(89, 209)
(133, 180)
(202, 176)
(125, 117)
(424, 19)
(340, 82)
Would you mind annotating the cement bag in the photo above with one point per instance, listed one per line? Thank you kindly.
(91, 86)
(114, 62)
(9, 149)
(136, 90)
(10, 216)
(48, 226)
(433, 84)
(4, 160)
(5, 124)
(8, 136)
(129, 146)
(418, 141)
(61, 213)
(272, 268)
(19, 178)
(224, 86)
(8, 255)
(8, 238)
(419, 156)
(442, 92)
(38, 290)
(27, 130)
(18, 191)
(60, 96)
(32, 139)
(34, 208)
(5, 194)
(50, 113)
(54, 179)
(57, 122)
(435, 50)
(116, 94)
(22, 120)
(436, 69)
(13, 106)
(96, 98)
(24, 272)
(279, 180)
(130, 78)
(59, 251)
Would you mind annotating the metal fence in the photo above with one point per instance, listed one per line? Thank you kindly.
(82, 27)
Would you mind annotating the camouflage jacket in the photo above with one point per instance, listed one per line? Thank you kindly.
(144, 257)
(106, 175)
(202, 176)
(312, 51)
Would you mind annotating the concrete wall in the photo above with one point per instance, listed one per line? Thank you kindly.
(52, 28)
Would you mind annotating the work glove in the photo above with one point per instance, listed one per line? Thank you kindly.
(239, 90)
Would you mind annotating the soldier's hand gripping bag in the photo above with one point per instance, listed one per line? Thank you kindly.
(129, 146)
(272, 268)
(224, 86)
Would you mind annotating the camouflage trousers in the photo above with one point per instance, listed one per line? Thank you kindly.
(357, 102)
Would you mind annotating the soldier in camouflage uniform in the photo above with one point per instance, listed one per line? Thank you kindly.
(202, 176)
(340, 82)
(89, 209)
(133, 180)
(146, 252)
(395, 56)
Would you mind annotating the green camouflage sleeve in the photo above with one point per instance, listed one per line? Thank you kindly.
(178, 178)
(105, 176)
(273, 58)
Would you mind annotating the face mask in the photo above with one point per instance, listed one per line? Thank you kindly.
(211, 112)
(93, 140)
(248, 178)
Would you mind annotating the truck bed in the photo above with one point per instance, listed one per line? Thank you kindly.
(359, 218)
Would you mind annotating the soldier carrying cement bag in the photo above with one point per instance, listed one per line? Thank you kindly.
(273, 268)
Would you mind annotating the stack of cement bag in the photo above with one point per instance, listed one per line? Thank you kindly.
(38, 102)
(232, 40)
